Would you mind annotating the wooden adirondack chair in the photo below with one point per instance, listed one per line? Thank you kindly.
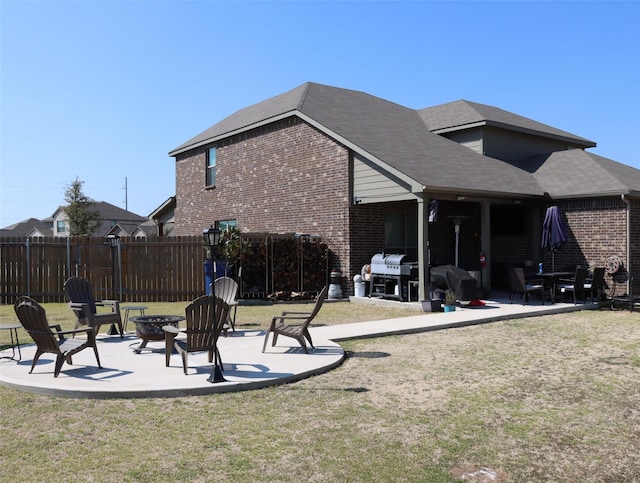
(81, 301)
(281, 324)
(34, 320)
(205, 321)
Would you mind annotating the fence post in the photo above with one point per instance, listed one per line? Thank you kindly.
(28, 257)
(68, 257)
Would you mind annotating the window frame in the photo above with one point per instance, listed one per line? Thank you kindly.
(210, 168)
(222, 225)
(404, 238)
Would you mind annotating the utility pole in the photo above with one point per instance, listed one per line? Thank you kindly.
(126, 195)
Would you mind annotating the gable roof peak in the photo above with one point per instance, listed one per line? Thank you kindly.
(463, 114)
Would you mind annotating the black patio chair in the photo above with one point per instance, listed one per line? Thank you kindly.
(521, 286)
(575, 286)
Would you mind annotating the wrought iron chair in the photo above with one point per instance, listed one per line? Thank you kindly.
(80, 295)
(34, 320)
(521, 286)
(205, 321)
(576, 285)
(596, 286)
(280, 324)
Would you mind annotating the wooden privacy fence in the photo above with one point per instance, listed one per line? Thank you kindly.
(158, 269)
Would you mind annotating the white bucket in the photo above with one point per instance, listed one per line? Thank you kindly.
(359, 289)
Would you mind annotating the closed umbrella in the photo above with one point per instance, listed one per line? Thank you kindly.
(553, 233)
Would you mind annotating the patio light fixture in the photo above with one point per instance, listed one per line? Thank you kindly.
(114, 243)
(212, 238)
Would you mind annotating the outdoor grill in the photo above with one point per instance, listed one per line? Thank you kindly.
(390, 275)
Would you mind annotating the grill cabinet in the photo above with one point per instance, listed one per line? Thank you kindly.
(390, 276)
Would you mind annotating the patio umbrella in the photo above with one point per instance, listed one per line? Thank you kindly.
(553, 233)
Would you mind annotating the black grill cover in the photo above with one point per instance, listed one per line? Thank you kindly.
(451, 277)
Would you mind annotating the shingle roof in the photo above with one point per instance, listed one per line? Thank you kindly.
(401, 138)
(111, 212)
(22, 228)
(396, 135)
(577, 173)
(458, 114)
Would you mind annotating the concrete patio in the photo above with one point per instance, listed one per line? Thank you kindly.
(127, 374)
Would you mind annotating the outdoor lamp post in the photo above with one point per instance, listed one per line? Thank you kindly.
(114, 243)
(212, 238)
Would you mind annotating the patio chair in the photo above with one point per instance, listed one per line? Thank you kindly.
(576, 285)
(519, 285)
(205, 321)
(299, 331)
(34, 320)
(596, 286)
(227, 289)
(81, 301)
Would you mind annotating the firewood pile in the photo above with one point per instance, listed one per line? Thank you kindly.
(289, 296)
(284, 267)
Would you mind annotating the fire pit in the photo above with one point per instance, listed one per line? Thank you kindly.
(149, 327)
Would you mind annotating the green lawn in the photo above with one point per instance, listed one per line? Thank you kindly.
(552, 398)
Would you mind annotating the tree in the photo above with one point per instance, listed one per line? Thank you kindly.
(82, 219)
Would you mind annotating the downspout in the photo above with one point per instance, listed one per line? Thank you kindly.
(628, 203)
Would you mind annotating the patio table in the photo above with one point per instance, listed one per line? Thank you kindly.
(13, 329)
(129, 308)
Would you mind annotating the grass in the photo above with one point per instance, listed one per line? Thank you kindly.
(551, 398)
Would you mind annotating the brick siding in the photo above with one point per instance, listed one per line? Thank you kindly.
(286, 177)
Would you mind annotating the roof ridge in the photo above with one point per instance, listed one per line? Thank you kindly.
(303, 96)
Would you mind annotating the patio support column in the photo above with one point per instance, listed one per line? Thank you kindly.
(423, 249)
(485, 241)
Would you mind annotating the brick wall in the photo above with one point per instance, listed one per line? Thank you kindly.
(286, 177)
(367, 235)
(597, 229)
(634, 265)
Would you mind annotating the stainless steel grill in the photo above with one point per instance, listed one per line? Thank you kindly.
(390, 276)
(390, 265)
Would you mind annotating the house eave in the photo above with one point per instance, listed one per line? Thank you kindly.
(434, 192)
(584, 143)
(233, 132)
(600, 194)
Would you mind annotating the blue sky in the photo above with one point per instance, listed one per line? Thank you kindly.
(103, 91)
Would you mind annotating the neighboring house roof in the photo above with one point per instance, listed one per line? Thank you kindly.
(23, 228)
(464, 114)
(167, 206)
(107, 211)
(109, 216)
(399, 140)
(125, 228)
(147, 228)
(576, 173)
(39, 232)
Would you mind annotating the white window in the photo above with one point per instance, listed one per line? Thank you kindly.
(211, 167)
(61, 226)
(222, 225)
